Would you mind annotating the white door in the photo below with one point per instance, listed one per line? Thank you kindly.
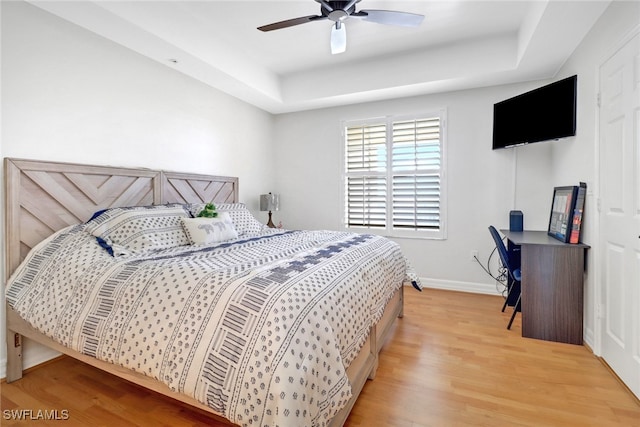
(620, 211)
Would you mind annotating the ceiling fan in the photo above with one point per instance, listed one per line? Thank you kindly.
(339, 12)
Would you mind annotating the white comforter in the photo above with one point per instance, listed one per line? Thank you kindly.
(259, 329)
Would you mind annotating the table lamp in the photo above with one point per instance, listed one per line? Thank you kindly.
(270, 202)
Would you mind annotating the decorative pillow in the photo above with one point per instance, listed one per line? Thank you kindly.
(243, 221)
(140, 228)
(204, 231)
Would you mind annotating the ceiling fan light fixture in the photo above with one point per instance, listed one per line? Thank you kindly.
(338, 15)
(338, 38)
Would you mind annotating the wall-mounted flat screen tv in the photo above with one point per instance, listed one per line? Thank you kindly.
(542, 114)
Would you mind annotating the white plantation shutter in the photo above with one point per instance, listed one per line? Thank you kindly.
(415, 164)
(367, 198)
(394, 176)
(366, 162)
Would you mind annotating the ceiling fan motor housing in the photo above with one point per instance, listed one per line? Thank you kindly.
(338, 13)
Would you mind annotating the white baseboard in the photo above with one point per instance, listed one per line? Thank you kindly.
(36, 354)
(33, 354)
(589, 339)
(453, 285)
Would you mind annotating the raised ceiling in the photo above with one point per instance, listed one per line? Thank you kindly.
(460, 45)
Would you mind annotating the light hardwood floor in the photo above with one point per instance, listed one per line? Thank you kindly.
(450, 362)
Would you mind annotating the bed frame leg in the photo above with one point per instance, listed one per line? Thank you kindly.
(14, 356)
(373, 348)
(401, 313)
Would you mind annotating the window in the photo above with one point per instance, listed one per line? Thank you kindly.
(394, 176)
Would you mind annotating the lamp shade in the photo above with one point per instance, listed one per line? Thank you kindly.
(269, 202)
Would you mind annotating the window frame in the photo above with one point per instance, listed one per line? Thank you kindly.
(389, 230)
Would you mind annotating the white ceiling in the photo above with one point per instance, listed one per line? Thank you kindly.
(460, 44)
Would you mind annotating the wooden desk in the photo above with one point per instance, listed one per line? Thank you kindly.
(552, 286)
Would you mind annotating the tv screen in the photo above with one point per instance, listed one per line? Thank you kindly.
(542, 114)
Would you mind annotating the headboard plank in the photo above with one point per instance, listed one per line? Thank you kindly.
(44, 197)
(66, 194)
(47, 213)
(12, 218)
(191, 188)
(123, 191)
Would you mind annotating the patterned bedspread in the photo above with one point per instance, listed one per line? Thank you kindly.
(260, 329)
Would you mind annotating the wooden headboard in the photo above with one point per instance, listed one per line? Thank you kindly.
(44, 197)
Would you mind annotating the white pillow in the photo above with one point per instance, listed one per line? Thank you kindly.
(140, 228)
(204, 231)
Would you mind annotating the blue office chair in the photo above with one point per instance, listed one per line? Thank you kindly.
(514, 274)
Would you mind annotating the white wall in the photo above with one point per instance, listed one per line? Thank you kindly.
(73, 96)
(70, 95)
(480, 181)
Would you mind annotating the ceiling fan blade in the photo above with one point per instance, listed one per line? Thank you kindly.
(390, 17)
(338, 38)
(291, 22)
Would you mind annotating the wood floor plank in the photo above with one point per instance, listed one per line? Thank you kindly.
(450, 362)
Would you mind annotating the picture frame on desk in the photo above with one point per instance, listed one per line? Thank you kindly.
(578, 214)
(565, 218)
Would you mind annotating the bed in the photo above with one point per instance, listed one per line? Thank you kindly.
(263, 327)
